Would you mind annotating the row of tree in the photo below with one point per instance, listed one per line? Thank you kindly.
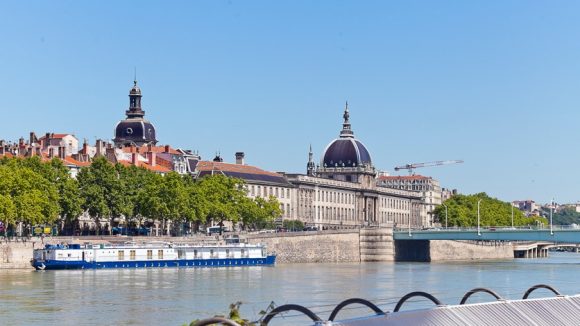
(33, 192)
(462, 212)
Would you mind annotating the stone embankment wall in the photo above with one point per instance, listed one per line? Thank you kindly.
(312, 247)
(470, 250)
(16, 255)
(448, 250)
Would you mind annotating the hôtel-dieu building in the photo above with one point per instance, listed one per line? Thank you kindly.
(341, 192)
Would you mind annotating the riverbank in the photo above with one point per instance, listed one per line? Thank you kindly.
(332, 246)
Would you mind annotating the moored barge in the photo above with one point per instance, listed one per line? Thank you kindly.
(149, 255)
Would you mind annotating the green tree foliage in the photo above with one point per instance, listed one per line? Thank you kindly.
(462, 212)
(35, 192)
(293, 225)
(564, 216)
(101, 190)
(27, 193)
(223, 197)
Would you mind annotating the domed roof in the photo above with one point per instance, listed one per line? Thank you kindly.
(135, 90)
(135, 131)
(346, 151)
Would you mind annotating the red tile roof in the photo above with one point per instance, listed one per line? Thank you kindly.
(155, 168)
(154, 149)
(230, 167)
(55, 136)
(71, 160)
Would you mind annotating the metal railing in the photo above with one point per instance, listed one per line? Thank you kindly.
(269, 316)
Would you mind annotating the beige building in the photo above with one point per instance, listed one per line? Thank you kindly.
(427, 186)
(342, 191)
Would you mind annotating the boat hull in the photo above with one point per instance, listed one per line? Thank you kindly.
(223, 262)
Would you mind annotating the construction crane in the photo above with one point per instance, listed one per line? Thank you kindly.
(413, 166)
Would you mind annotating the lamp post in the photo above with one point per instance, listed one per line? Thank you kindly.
(512, 216)
(445, 214)
(551, 209)
(478, 229)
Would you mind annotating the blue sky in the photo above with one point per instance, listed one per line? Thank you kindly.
(495, 83)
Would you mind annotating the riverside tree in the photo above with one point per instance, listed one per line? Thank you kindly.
(101, 191)
(28, 196)
(462, 212)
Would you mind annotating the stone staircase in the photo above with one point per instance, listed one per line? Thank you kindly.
(376, 244)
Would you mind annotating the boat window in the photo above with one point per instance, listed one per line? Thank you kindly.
(211, 253)
(149, 254)
(160, 254)
(121, 254)
(195, 254)
(132, 254)
(227, 253)
(243, 253)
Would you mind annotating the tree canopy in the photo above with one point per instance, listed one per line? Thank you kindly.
(462, 211)
(35, 192)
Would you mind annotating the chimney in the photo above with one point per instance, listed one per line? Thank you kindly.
(99, 147)
(135, 159)
(32, 138)
(61, 152)
(85, 149)
(151, 158)
(240, 158)
(21, 142)
(166, 148)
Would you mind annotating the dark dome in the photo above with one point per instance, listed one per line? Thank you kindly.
(135, 90)
(345, 152)
(135, 131)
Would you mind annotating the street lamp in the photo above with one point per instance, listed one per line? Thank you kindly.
(445, 214)
(478, 229)
(551, 209)
(512, 216)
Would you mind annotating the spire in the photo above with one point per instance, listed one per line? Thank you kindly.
(310, 168)
(346, 132)
(135, 110)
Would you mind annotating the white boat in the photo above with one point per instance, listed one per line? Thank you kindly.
(149, 255)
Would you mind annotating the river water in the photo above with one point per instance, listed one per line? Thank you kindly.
(178, 296)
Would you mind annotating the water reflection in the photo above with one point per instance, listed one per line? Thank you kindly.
(177, 296)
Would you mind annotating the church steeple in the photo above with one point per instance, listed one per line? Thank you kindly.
(346, 132)
(310, 168)
(135, 110)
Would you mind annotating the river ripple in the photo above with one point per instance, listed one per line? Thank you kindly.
(177, 296)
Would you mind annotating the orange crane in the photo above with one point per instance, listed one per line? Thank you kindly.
(413, 166)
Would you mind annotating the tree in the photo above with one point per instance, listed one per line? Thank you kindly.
(223, 197)
(7, 210)
(30, 198)
(101, 191)
(462, 211)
